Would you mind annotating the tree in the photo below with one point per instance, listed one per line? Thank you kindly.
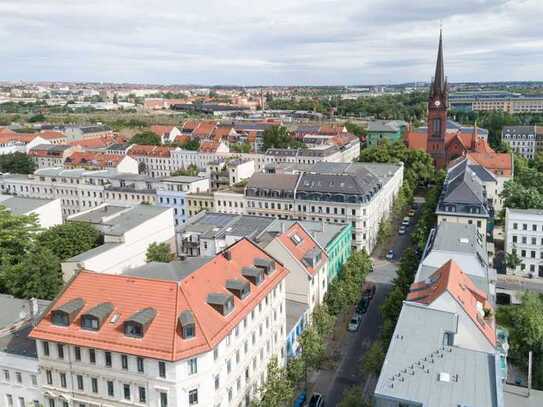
(70, 239)
(373, 359)
(36, 276)
(193, 144)
(159, 252)
(17, 163)
(16, 235)
(37, 118)
(322, 320)
(313, 350)
(145, 137)
(241, 148)
(191, 170)
(355, 129)
(512, 260)
(353, 397)
(279, 137)
(278, 390)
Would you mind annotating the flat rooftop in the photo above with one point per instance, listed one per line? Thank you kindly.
(419, 368)
(22, 206)
(173, 271)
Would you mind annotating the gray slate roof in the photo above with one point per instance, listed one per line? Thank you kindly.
(173, 271)
(419, 334)
(294, 310)
(22, 206)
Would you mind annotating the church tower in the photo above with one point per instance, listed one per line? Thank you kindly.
(438, 105)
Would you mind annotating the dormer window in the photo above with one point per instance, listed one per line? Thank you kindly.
(136, 326)
(187, 324)
(254, 274)
(268, 265)
(296, 239)
(94, 318)
(239, 288)
(66, 313)
(221, 302)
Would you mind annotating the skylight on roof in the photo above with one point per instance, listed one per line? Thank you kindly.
(296, 239)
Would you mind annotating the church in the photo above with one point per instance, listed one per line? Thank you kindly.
(443, 138)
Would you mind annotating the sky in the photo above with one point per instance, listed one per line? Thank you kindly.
(269, 42)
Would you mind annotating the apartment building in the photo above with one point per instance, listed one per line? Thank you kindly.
(360, 194)
(229, 172)
(154, 161)
(524, 236)
(48, 211)
(74, 133)
(127, 233)
(19, 369)
(79, 189)
(51, 155)
(464, 198)
(184, 333)
(522, 140)
(172, 192)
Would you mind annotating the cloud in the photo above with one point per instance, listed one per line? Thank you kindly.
(269, 42)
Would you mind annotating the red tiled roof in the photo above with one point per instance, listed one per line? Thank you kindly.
(182, 139)
(51, 134)
(161, 130)
(299, 250)
(149, 150)
(451, 278)
(208, 146)
(101, 160)
(498, 163)
(98, 142)
(130, 294)
(416, 141)
(204, 129)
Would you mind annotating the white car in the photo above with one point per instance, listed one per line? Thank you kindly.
(390, 255)
(402, 230)
(406, 221)
(354, 323)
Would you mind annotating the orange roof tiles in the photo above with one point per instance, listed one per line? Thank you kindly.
(299, 250)
(100, 160)
(98, 142)
(51, 135)
(204, 129)
(149, 150)
(161, 130)
(416, 141)
(162, 340)
(207, 146)
(182, 139)
(498, 163)
(450, 278)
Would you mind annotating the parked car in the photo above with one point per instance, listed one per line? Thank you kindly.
(316, 400)
(354, 323)
(406, 221)
(401, 231)
(300, 400)
(390, 254)
(411, 212)
(414, 205)
(371, 267)
(368, 290)
(363, 305)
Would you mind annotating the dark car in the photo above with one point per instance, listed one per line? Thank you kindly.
(368, 290)
(316, 400)
(363, 305)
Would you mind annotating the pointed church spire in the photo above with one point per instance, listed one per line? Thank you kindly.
(439, 87)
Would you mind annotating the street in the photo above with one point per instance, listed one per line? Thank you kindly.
(333, 382)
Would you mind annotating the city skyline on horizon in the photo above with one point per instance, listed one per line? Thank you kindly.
(382, 42)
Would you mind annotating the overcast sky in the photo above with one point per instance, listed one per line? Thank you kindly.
(250, 42)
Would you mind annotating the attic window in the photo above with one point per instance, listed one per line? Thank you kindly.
(187, 324)
(296, 239)
(239, 288)
(94, 318)
(221, 302)
(268, 265)
(66, 313)
(254, 274)
(136, 326)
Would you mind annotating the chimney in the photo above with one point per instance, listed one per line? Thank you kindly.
(34, 308)
(227, 255)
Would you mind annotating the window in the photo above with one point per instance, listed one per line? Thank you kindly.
(18, 377)
(215, 353)
(51, 402)
(228, 366)
(21, 402)
(63, 380)
(94, 384)
(34, 379)
(140, 365)
(9, 399)
(80, 382)
(133, 330)
(193, 366)
(49, 377)
(77, 353)
(163, 399)
(110, 389)
(126, 391)
(162, 369)
(92, 355)
(217, 382)
(193, 397)
(142, 395)
(108, 359)
(89, 322)
(6, 375)
(124, 361)
(60, 350)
